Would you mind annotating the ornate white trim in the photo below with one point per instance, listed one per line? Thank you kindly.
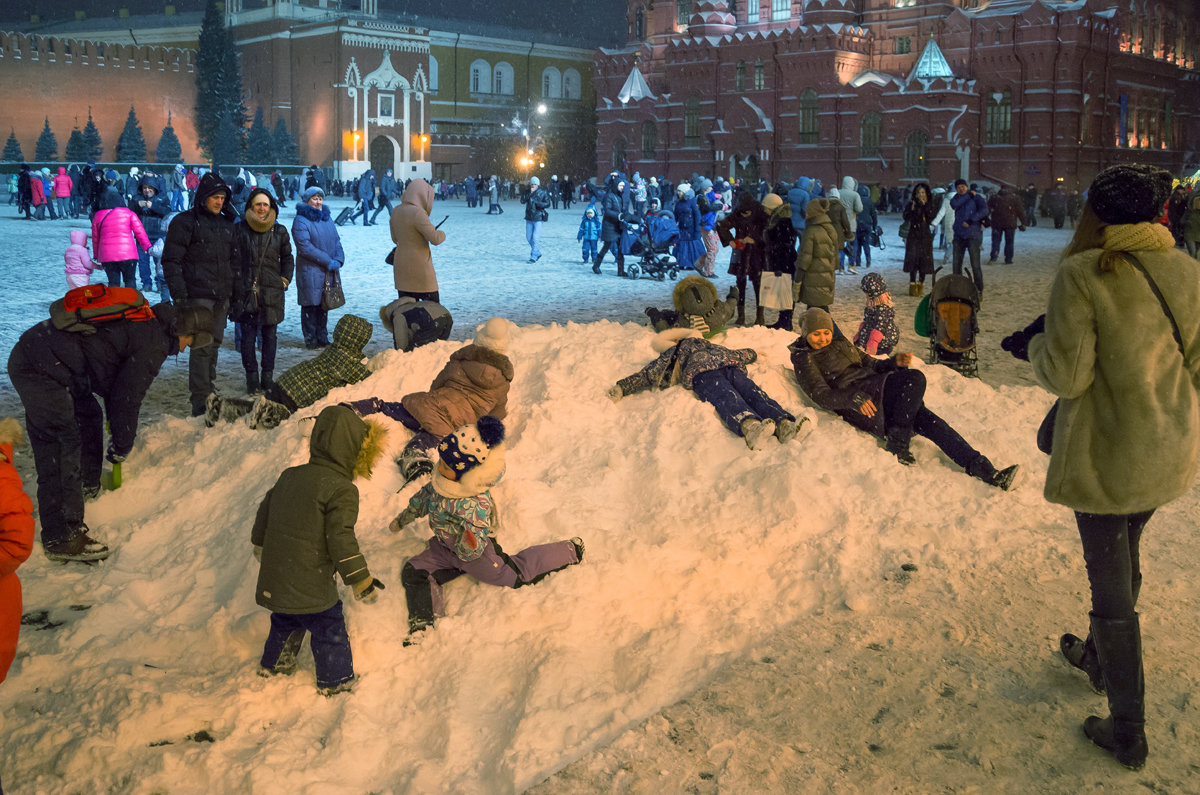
(385, 77)
(377, 42)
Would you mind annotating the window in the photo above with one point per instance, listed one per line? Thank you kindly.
(433, 74)
(551, 83)
(781, 10)
(998, 121)
(649, 140)
(683, 12)
(639, 25)
(906, 3)
(760, 76)
(502, 79)
(916, 151)
(903, 45)
(481, 72)
(571, 84)
(868, 136)
(387, 105)
(618, 155)
(739, 77)
(752, 11)
(808, 117)
(691, 122)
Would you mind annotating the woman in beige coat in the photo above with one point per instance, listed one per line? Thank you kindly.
(413, 232)
(1121, 349)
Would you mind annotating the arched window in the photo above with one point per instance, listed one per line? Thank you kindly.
(481, 77)
(618, 155)
(639, 25)
(739, 77)
(691, 121)
(809, 108)
(502, 79)
(999, 118)
(572, 84)
(551, 83)
(760, 76)
(649, 140)
(433, 74)
(869, 134)
(916, 155)
(683, 12)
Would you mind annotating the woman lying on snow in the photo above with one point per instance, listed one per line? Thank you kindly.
(717, 375)
(880, 396)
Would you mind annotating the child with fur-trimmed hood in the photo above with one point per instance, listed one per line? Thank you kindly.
(303, 534)
(464, 518)
(717, 375)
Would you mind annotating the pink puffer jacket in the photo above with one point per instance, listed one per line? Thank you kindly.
(62, 184)
(76, 255)
(113, 232)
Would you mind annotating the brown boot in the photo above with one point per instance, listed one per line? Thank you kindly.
(759, 320)
(914, 288)
(920, 289)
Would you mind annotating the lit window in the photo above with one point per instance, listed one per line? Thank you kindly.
(781, 10)
(916, 155)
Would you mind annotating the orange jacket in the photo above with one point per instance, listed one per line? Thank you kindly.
(16, 543)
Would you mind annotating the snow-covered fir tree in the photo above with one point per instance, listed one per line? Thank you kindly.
(229, 143)
(131, 145)
(47, 145)
(91, 139)
(12, 149)
(286, 151)
(218, 80)
(169, 150)
(77, 151)
(260, 148)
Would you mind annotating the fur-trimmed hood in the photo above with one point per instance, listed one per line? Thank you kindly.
(346, 442)
(312, 213)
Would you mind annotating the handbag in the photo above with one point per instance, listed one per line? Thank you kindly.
(775, 291)
(331, 295)
(904, 229)
(1045, 433)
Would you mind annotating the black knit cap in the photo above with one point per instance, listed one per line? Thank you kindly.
(1130, 193)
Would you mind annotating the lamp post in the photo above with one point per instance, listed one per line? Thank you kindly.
(531, 139)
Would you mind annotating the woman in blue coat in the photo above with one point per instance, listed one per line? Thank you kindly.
(690, 248)
(318, 254)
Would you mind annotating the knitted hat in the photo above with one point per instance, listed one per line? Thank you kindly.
(815, 318)
(475, 454)
(771, 202)
(1130, 193)
(534, 182)
(873, 285)
(312, 191)
(493, 334)
(682, 188)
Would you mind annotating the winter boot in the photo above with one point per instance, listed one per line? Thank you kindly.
(785, 320)
(788, 429)
(621, 268)
(741, 311)
(1123, 732)
(268, 380)
(577, 542)
(414, 464)
(340, 687)
(914, 288)
(285, 664)
(78, 547)
(920, 289)
(756, 431)
(267, 414)
(252, 385)
(212, 409)
(897, 443)
(759, 320)
(1081, 654)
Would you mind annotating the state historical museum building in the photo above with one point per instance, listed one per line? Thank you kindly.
(901, 91)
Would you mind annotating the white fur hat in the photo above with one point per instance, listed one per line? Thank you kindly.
(668, 337)
(493, 334)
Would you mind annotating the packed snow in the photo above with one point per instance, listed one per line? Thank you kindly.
(811, 617)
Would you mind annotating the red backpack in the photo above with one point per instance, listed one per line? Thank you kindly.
(83, 307)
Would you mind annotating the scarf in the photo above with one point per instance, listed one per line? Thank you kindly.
(261, 226)
(1147, 236)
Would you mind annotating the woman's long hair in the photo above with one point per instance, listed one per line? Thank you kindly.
(1089, 236)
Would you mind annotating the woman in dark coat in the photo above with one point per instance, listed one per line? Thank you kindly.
(612, 211)
(263, 269)
(318, 254)
(918, 246)
(745, 228)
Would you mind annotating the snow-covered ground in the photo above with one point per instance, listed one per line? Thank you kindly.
(807, 618)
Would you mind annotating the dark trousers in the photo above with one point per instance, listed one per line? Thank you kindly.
(433, 296)
(736, 398)
(1110, 551)
(741, 280)
(862, 245)
(314, 323)
(145, 274)
(122, 271)
(969, 245)
(1008, 235)
(904, 408)
(250, 333)
(202, 362)
(330, 643)
(384, 201)
(367, 206)
(616, 250)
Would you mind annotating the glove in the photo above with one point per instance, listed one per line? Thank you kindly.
(1018, 343)
(1021, 227)
(285, 282)
(113, 456)
(334, 265)
(368, 590)
(258, 553)
(406, 517)
(615, 393)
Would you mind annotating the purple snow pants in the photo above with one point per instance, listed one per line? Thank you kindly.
(425, 574)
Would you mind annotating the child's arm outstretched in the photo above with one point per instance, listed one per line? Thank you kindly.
(418, 506)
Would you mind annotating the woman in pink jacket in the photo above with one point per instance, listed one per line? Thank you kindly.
(62, 192)
(114, 228)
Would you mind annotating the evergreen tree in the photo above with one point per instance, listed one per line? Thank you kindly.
(229, 142)
(12, 149)
(286, 151)
(76, 148)
(131, 146)
(169, 150)
(47, 145)
(218, 80)
(91, 139)
(260, 148)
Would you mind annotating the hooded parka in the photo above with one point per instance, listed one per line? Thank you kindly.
(413, 233)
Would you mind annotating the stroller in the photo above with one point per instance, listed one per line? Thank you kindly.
(654, 239)
(951, 323)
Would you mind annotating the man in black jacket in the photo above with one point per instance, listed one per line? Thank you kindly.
(58, 375)
(536, 201)
(197, 263)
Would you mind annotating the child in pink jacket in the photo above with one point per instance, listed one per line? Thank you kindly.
(113, 246)
(79, 263)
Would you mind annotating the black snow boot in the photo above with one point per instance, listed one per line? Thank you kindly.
(252, 385)
(1123, 732)
(268, 380)
(1081, 654)
(898, 442)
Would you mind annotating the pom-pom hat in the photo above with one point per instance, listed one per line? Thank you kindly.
(1129, 193)
(475, 454)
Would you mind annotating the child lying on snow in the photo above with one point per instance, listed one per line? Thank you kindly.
(464, 518)
(337, 365)
(717, 375)
(303, 534)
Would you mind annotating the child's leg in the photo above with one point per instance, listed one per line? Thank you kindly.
(423, 576)
(714, 387)
(755, 397)
(526, 567)
(331, 647)
(283, 643)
